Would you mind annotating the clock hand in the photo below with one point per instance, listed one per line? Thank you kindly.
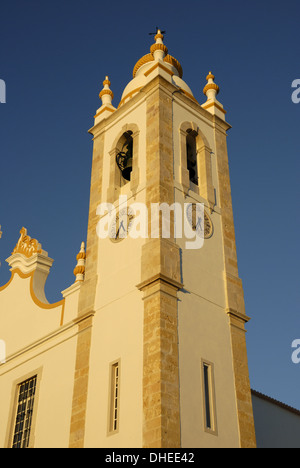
(199, 224)
(121, 225)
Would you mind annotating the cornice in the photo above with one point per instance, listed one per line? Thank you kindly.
(146, 91)
(159, 278)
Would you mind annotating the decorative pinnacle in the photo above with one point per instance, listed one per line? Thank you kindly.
(79, 270)
(159, 50)
(211, 89)
(27, 246)
(106, 94)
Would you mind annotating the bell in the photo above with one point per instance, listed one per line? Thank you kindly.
(124, 160)
(191, 165)
(192, 174)
(127, 169)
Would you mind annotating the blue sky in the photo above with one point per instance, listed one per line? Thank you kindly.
(54, 57)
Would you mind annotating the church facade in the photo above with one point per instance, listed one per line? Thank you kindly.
(147, 348)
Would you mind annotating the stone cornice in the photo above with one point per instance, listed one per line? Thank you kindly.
(159, 277)
(147, 90)
(237, 315)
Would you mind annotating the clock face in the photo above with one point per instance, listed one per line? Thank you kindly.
(203, 228)
(120, 226)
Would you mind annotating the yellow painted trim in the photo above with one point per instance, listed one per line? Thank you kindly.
(81, 255)
(189, 95)
(79, 270)
(159, 46)
(142, 61)
(210, 76)
(2, 288)
(214, 104)
(158, 65)
(211, 86)
(39, 303)
(149, 58)
(129, 95)
(104, 109)
(106, 91)
(175, 63)
(106, 81)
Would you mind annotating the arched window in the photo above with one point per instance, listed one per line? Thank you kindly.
(191, 154)
(124, 156)
(124, 163)
(195, 170)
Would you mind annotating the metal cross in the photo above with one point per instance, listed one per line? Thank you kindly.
(154, 33)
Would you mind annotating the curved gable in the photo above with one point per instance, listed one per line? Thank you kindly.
(24, 317)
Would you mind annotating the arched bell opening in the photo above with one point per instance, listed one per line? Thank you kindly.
(191, 153)
(124, 156)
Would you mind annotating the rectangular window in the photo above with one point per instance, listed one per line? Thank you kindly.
(114, 397)
(24, 411)
(207, 397)
(209, 404)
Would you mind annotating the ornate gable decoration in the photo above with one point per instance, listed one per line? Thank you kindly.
(27, 246)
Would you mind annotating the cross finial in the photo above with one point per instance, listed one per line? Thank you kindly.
(157, 32)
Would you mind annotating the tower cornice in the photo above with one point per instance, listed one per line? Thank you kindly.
(157, 81)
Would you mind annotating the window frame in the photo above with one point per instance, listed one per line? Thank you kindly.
(191, 141)
(111, 428)
(14, 407)
(127, 137)
(209, 405)
(117, 185)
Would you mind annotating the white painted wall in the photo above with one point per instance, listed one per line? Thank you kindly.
(275, 426)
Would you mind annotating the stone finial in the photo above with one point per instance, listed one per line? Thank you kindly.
(106, 95)
(79, 270)
(211, 89)
(159, 50)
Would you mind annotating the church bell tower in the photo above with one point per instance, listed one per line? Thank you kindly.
(161, 354)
